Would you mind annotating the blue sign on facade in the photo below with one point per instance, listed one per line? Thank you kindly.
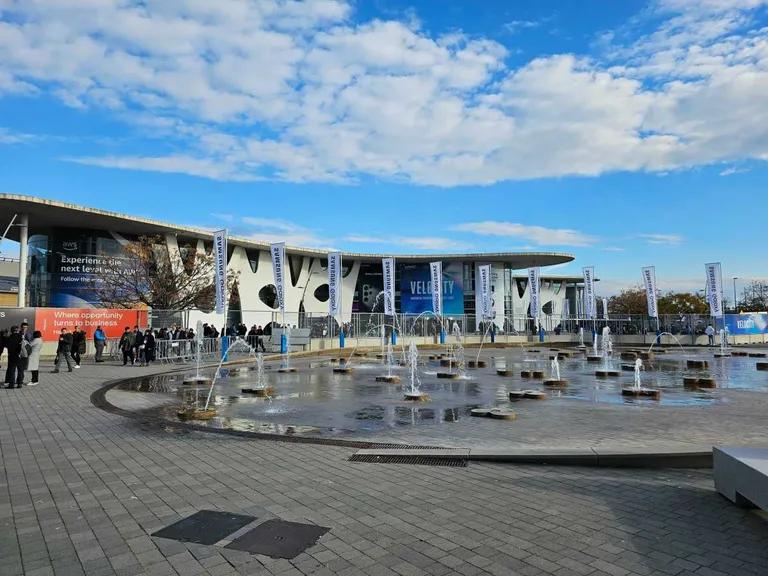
(416, 289)
(747, 323)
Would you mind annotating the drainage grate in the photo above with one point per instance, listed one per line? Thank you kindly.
(279, 539)
(205, 527)
(456, 461)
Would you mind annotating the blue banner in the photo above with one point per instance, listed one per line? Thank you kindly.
(747, 323)
(416, 289)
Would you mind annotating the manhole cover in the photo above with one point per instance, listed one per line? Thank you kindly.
(205, 527)
(279, 539)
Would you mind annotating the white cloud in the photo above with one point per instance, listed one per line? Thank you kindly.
(667, 239)
(540, 235)
(731, 170)
(298, 91)
(418, 242)
(514, 26)
(8, 136)
(261, 229)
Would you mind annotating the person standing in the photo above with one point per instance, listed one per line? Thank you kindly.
(78, 345)
(33, 362)
(15, 343)
(710, 332)
(64, 351)
(99, 341)
(138, 345)
(149, 347)
(126, 346)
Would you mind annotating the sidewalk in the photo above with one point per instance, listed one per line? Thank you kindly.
(83, 489)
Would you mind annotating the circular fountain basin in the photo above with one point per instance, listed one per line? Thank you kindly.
(392, 379)
(343, 370)
(538, 374)
(286, 370)
(448, 375)
(196, 414)
(697, 364)
(416, 396)
(707, 382)
(502, 414)
(762, 365)
(722, 355)
(628, 355)
(628, 367)
(757, 354)
(516, 394)
(503, 372)
(535, 394)
(592, 358)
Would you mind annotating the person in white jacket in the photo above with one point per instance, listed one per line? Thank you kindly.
(33, 361)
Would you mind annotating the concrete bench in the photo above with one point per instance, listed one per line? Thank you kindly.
(741, 475)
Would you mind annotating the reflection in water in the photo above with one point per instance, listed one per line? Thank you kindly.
(319, 402)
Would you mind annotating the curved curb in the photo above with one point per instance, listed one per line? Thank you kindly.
(99, 399)
(592, 457)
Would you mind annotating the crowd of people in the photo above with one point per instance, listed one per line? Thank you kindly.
(22, 348)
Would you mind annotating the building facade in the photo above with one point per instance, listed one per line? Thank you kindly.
(63, 248)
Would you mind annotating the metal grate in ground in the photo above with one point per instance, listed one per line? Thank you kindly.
(454, 461)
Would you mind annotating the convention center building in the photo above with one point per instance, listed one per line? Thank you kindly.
(61, 247)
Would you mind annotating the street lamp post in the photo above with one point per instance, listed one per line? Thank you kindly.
(735, 307)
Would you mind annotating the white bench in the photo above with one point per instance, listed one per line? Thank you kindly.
(741, 474)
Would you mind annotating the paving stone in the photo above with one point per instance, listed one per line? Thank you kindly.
(83, 494)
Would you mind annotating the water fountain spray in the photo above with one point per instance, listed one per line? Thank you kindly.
(414, 392)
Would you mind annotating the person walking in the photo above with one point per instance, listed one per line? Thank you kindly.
(99, 342)
(126, 346)
(63, 351)
(710, 332)
(78, 345)
(17, 357)
(260, 339)
(33, 362)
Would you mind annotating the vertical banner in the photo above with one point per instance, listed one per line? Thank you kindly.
(483, 288)
(605, 308)
(590, 305)
(649, 279)
(715, 289)
(388, 273)
(533, 286)
(334, 284)
(566, 309)
(220, 270)
(278, 269)
(436, 283)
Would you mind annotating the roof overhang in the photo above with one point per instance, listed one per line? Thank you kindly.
(45, 214)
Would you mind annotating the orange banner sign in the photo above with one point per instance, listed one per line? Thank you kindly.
(50, 321)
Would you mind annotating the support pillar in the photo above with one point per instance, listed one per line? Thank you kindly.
(23, 224)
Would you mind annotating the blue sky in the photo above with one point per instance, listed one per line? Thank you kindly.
(627, 133)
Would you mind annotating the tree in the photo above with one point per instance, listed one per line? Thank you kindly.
(629, 301)
(146, 273)
(683, 303)
(754, 297)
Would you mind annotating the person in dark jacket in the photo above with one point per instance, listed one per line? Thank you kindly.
(64, 351)
(149, 347)
(14, 374)
(138, 343)
(126, 346)
(78, 345)
(99, 342)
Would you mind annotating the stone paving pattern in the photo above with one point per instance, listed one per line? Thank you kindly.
(82, 489)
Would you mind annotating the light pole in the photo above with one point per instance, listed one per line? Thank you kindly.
(735, 307)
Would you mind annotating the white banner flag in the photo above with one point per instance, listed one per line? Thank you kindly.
(436, 282)
(649, 279)
(278, 269)
(715, 289)
(566, 309)
(388, 272)
(483, 287)
(533, 286)
(334, 284)
(590, 304)
(220, 263)
(605, 308)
